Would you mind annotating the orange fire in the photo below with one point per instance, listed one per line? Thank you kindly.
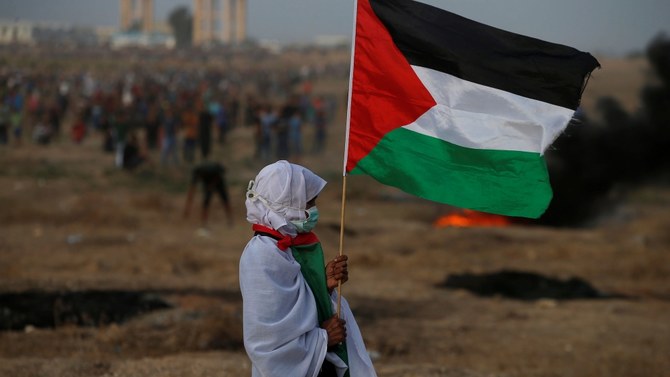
(470, 218)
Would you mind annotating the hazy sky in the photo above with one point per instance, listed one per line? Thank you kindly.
(598, 26)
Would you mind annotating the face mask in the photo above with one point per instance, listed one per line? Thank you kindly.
(306, 225)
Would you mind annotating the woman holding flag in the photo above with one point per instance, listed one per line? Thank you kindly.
(290, 328)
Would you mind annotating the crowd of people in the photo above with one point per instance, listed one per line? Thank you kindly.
(24, 106)
(180, 114)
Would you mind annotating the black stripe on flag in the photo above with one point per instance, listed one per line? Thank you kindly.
(434, 38)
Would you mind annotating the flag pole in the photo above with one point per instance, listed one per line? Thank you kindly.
(346, 150)
(344, 202)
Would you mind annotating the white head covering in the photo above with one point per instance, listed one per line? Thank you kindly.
(280, 194)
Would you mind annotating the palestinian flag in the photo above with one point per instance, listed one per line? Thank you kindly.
(456, 111)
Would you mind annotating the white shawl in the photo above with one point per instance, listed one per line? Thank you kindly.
(281, 331)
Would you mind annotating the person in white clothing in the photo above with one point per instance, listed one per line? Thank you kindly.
(289, 320)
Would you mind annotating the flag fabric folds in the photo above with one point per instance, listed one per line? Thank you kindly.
(456, 111)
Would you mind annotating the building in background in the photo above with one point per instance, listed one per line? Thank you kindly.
(31, 33)
(219, 21)
(137, 28)
(214, 21)
(137, 16)
(16, 32)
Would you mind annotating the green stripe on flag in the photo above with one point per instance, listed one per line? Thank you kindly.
(508, 183)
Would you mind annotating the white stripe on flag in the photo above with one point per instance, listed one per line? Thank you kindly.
(476, 116)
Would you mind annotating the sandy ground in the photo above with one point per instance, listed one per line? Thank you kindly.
(71, 222)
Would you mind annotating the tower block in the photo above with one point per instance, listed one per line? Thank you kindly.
(137, 13)
(219, 21)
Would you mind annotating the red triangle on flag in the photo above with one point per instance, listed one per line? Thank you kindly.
(386, 92)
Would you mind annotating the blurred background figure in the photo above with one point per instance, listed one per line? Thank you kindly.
(170, 130)
(4, 124)
(211, 177)
(133, 155)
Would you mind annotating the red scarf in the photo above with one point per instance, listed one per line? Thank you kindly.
(286, 241)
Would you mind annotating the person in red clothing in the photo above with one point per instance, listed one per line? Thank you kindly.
(78, 130)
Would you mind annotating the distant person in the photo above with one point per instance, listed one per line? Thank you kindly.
(295, 136)
(190, 138)
(16, 122)
(220, 115)
(205, 121)
(267, 119)
(288, 292)
(43, 131)
(16, 119)
(54, 118)
(211, 175)
(320, 123)
(133, 156)
(121, 127)
(170, 130)
(290, 111)
(152, 125)
(4, 124)
(78, 131)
